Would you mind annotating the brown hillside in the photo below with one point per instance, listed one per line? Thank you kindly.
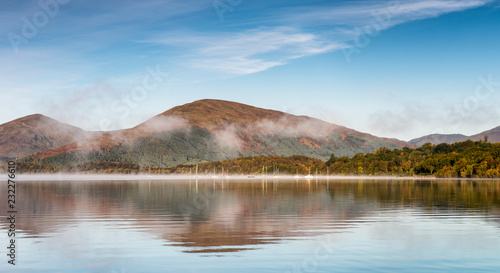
(240, 123)
(35, 133)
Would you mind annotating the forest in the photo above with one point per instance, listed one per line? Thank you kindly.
(468, 159)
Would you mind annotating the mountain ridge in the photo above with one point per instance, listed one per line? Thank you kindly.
(205, 130)
(492, 134)
(437, 139)
(35, 133)
(233, 123)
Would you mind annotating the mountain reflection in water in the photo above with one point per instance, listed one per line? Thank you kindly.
(214, 216)
(255, 226)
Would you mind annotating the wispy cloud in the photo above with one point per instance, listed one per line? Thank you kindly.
(88, 45)
(294, 33)
(277, 36)
(361, 12)
(250, 51)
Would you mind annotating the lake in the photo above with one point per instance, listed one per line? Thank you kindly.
(254, 226)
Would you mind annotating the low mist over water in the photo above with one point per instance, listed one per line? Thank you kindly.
(256, 226)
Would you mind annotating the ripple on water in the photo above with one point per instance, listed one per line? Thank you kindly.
(364, 226)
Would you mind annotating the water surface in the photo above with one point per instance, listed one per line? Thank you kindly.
(255, 226)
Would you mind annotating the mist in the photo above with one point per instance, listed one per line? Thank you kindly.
(228, 138)
(417, 120)
(96, 107)
(296, 127)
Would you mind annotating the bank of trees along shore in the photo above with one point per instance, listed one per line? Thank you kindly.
(462, 159)
(467, 159)
(242, 165)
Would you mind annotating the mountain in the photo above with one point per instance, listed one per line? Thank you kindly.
(33, 134)
(493, 135)
(211, 130)
(437, 139)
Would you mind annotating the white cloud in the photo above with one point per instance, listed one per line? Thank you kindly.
(356, 14)
(258, 49)
(250, 51)
(412, 120)
(87, 37)
(237, 65)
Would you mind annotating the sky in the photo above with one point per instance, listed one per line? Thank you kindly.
(399, 69)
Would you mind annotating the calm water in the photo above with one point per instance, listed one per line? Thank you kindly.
(255, 226)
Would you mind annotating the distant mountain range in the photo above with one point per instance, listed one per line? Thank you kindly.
(437, 139)
(493, 136)
(201, 131)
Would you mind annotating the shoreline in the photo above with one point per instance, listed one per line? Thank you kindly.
(129, 177)
(182, 177)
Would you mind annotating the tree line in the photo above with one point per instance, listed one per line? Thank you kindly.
(468, 159)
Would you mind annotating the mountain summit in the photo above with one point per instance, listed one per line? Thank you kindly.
(33, 134)
(214, 115)
(210, 113)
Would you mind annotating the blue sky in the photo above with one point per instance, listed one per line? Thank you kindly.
(391, 68)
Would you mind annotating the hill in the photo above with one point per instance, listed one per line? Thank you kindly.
(33, 134)
(493, 135)
(437, 139)
(212, 130)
